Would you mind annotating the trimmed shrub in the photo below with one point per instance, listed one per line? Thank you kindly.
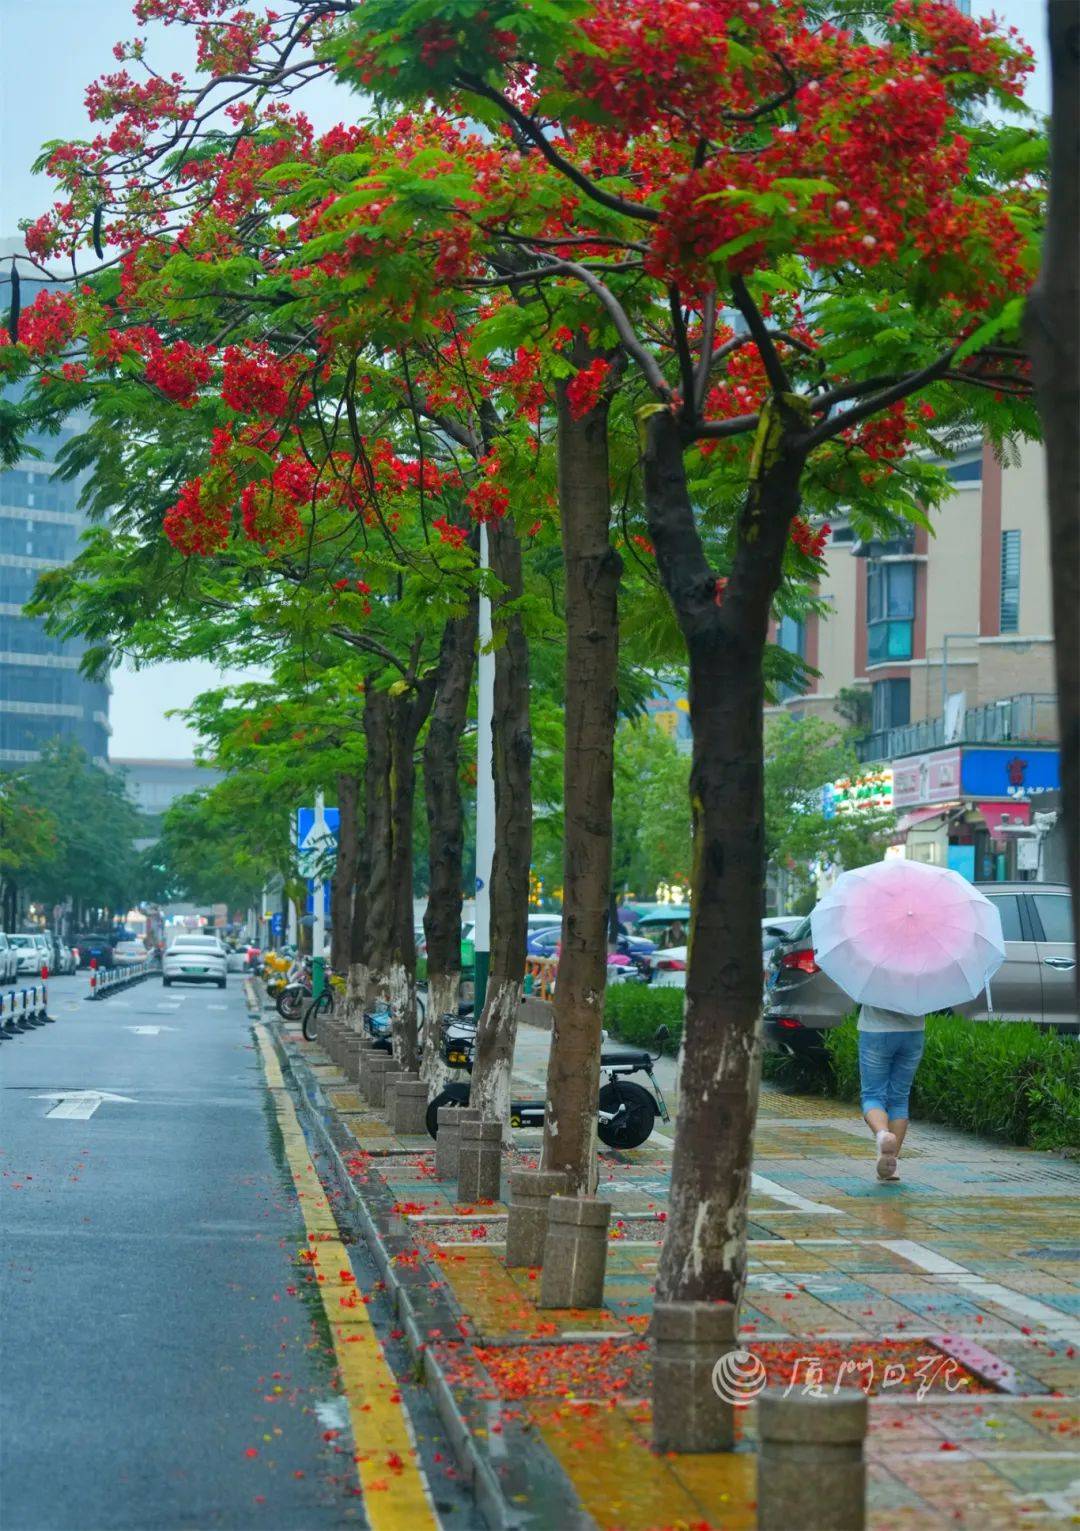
(633, 1011)
(1006, 1079)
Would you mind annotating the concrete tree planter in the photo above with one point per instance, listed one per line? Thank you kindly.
(448, 1142)
(480, 1161)
(811, 1470)
(690, 1412)
(575, 1252)
(527, 1226)
(375, 1080)
(408, 1114)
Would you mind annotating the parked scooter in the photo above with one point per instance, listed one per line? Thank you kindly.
(626, 1111)
(296, 991)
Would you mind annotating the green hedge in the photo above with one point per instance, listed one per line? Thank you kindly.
(1003, 1079)
(632, 1012)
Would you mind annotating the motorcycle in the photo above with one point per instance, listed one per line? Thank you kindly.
(295, 992)
(377, 1024)
(626, 1111)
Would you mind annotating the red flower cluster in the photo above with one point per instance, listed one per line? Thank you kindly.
(48, 324)
(583, 391)
(809, 542)
(270, 519)
(199, 522)
(454, 536)
(488, 500)
(255, 381)
(179, 371)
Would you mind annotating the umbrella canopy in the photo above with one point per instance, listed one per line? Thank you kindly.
(905, 936)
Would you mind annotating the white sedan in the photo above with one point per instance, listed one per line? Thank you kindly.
(669, 966)
(195, 959)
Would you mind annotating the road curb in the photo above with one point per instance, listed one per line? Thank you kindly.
(473, 1460)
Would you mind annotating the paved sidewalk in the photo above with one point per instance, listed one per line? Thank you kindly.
(962, 1280)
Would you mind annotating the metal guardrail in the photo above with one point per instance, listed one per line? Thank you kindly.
(106, 981)
(24, 1007)
(1031, 718)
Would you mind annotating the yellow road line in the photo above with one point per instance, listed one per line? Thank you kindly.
(394, 1488)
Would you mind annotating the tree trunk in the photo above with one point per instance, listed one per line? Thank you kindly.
(704, 1253)
(446, 834)
(593, 570)
(1053, 336)
(356, 989)
(341, 892)
(402, 968)
(376, 958)
(512, 747)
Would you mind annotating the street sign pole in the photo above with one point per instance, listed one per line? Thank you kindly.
(318, 929)
(485, 788)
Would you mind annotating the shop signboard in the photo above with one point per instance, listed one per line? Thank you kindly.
(923, 779)
(1011, 770)
(873, 789)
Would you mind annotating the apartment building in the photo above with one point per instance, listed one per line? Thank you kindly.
(948, 635)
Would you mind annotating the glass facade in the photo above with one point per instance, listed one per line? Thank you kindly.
(890, 610)
(892, 704)
(42, 694)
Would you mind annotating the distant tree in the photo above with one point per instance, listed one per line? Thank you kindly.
(856, 706)
(27, 843)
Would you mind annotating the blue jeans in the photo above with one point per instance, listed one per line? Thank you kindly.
(887, 1064)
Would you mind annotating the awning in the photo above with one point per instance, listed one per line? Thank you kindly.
(995, 814)
(921, 816)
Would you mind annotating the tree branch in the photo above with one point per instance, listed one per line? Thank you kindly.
(779, 381)
(899, 390)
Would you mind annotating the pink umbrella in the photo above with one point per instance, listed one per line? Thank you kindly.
(905, 936)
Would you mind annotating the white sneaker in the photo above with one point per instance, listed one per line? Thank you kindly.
(886, 1162)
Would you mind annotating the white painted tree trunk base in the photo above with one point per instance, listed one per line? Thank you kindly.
(443, 991)
(495, 1041)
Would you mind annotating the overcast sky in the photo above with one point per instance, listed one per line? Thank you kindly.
(49, 52)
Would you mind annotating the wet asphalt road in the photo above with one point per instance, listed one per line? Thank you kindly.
(145, 1257)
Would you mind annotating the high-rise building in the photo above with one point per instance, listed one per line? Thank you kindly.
(43, 696)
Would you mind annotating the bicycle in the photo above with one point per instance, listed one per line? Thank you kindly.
(323, 1005)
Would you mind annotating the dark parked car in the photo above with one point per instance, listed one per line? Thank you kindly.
(1036, 982)
(96, 945)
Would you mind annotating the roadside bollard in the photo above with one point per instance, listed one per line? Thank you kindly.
(408, 1116)
(367, 1051)
(355, 1046)
(575, 1252)
(691, 1412)
(393, 1079)
(377, 1070)
(810, 1454)
(448, 1142)
(480, 1161)
(526, 1228)
(331, 1037)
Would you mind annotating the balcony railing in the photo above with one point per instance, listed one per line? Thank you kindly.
(1031, 719)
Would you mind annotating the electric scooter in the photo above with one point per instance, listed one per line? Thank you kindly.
(626, 1111)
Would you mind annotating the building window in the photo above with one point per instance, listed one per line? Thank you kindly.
(790, 635)
(965, 472)
(892, 704)
(890, 610)
(1010, 582)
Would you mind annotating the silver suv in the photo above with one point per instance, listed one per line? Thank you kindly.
(1036, 982)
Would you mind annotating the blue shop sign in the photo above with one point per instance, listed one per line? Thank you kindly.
(1010, 771)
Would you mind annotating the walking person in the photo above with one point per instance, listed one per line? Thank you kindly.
(904, 939)
(890, 1047)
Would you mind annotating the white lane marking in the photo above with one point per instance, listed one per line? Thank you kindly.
(217, 1007)
(148, 1031)
(926, 1259)
(332, 1413)
(773, 1188)
(978, 1288)
(173, 1004)
(79, 1105)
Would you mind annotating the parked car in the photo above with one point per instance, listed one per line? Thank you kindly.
(128, 954)
(30, 955)
(195, 959)
(94, 946)
(669, 963)
(9, 960)
(1035, 983)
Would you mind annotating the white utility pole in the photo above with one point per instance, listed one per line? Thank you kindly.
(485, 786)
(318, 929)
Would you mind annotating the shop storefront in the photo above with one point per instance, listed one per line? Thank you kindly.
(962, 807)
